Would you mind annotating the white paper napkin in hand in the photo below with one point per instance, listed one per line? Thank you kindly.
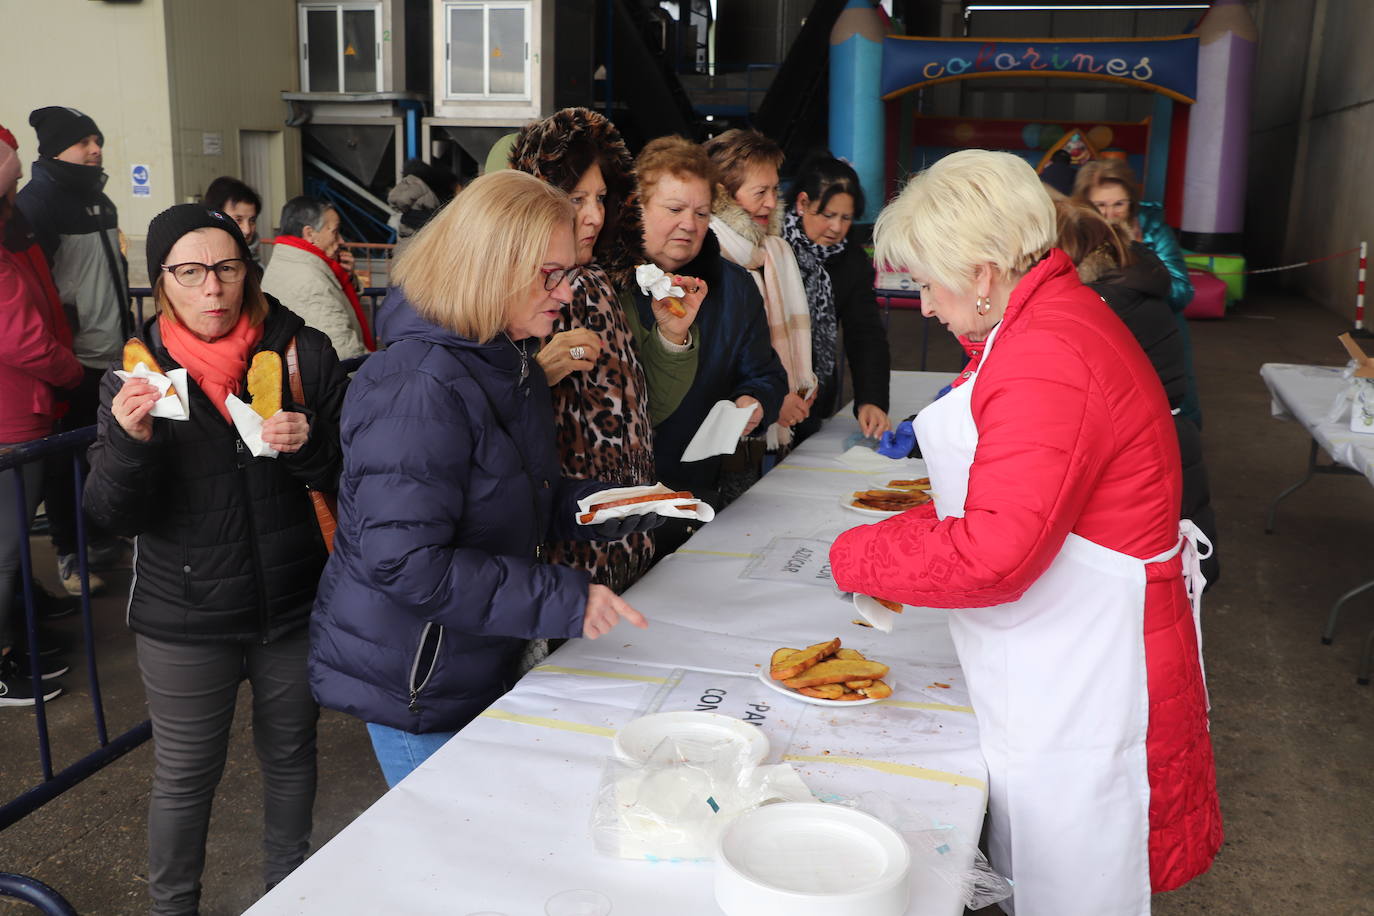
(249, 425)
(720, 432)
(673, 508)
(174, 406)
(654, 282)
(870, 610)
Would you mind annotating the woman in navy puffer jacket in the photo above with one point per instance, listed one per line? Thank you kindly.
(451, 482)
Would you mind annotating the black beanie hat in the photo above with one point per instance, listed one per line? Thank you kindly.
(58, 128)
(174, 222)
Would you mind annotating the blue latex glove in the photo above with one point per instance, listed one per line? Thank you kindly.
(899, 442)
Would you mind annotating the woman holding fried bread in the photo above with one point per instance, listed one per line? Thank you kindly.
(727, 324)
(595, 369)
(1054, 539)
(451, 482)
(228, 551)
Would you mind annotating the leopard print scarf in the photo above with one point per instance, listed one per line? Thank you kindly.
(603, 428)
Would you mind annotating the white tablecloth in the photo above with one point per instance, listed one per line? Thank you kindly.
(1305, 394)
(497, 820)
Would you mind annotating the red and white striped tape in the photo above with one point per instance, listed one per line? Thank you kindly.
(1359, 289)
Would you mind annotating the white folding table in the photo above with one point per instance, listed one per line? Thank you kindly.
(498, 819)
(1306, 395)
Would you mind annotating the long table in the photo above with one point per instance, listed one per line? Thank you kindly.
(498, 819)
(1306, 394)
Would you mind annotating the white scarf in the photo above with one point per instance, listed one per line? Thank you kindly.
(743, 242)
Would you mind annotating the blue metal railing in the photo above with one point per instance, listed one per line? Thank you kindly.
(54, 783)
(33, 891)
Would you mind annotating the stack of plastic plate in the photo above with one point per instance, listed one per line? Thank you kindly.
(795, 859)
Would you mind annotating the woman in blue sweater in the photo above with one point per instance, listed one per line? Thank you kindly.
(451, 483)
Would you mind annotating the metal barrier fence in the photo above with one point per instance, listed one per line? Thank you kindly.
(55, 782)
(108, 750)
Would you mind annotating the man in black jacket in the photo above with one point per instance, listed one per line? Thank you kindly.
(78, 229)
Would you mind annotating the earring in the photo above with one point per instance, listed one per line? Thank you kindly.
(983, 305)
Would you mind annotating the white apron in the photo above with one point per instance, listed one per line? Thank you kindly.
(1058, 682)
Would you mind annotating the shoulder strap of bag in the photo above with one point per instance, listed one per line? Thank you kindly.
(293, 373)
(326, 504)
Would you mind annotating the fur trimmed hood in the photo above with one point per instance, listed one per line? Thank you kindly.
(725, 209)
(560, 148)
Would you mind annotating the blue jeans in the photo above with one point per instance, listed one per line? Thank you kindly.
(400, 752)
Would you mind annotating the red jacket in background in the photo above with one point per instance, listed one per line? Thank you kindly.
(1074, 435)
(35, 347)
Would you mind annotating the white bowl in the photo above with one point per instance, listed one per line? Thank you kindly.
(798, 859)
(700, 737)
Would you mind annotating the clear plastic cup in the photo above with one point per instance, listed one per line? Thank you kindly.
(578, 902)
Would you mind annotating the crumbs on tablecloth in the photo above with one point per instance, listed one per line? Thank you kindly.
(862, 623)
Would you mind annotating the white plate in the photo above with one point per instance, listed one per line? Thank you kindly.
(783, 689)
(699, 736)
(820, 860)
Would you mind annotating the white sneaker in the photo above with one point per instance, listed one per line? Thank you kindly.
(70, 572)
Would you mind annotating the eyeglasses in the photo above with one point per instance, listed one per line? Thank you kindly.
(193, 273)
(556, 276)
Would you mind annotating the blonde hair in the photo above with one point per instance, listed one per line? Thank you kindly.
(254, 299)
(676, 156)
(971, 207)
(478, 257)
(1097, 173)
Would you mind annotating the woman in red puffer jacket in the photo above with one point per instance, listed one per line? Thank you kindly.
(35, 359)
(1055, 541)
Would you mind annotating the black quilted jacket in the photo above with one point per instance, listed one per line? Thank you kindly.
(228, 547)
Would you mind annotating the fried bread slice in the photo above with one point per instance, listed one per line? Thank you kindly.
(825, 691)
(837, 671)
(795, 664)
(878, 690)
(822, 693)
(135, 352)
(264, 383)
(778, 656)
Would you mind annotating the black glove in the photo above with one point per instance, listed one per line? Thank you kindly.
(617, 528)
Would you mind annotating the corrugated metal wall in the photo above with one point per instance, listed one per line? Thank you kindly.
(1310, 190)
(228, 65)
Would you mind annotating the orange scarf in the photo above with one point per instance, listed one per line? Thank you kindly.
(218, 367)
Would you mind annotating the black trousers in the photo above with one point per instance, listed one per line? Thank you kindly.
(192, 689)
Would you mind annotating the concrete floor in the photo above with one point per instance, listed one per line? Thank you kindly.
(1294, 734)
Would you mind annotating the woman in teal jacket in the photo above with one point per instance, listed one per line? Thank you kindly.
(1110, 186)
